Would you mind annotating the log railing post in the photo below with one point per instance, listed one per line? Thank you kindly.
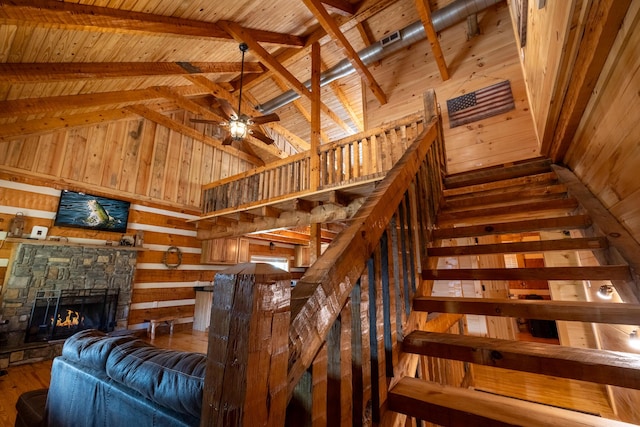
(246, 376)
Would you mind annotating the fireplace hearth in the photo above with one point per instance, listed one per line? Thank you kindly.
(58, 314)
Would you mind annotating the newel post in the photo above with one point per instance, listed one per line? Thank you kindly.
(246, 378)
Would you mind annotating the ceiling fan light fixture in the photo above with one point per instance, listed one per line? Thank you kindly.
(605, 292)
(238, 128)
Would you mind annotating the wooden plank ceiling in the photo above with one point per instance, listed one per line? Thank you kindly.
(77, 63)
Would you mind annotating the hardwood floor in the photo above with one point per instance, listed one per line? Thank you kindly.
(19, 379)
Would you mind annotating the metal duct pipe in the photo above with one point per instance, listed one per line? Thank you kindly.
(442, 18)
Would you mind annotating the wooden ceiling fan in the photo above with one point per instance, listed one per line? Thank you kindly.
(239, 124)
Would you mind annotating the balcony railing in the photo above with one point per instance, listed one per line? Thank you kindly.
(361, 158)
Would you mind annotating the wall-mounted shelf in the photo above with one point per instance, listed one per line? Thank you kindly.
(63, 243)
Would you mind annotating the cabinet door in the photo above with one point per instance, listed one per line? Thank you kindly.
(220, 251)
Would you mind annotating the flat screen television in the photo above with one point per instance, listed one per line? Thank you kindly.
(81, 210)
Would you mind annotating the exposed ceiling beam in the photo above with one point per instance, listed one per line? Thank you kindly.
(425, 16)
(342, 5)
(53, 104)
(93, 18)
(23, 129)
(301, 108)
(332, 28)
(366, 10)
(241, 35)
(167, 122)
(54, 72)
(220, 92)
(187, 104)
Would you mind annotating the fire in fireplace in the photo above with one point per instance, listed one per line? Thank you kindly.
(58, 314)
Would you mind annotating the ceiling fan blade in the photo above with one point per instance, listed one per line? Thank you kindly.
(262, 137)
(267, 118)
(228, 140)
(227, 108)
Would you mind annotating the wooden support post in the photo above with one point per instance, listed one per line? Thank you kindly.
(314, 179)
(246, 379)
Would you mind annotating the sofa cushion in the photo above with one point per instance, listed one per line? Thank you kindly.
(174, 379)
(91, 347)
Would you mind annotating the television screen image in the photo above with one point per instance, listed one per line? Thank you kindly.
(82, 210)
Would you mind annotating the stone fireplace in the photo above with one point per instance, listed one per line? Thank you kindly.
(81, 277)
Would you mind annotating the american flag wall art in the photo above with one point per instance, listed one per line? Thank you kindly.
(486, 102)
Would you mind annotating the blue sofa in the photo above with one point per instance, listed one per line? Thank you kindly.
(102, 380)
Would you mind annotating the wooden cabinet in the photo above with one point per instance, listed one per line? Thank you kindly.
(231, 250)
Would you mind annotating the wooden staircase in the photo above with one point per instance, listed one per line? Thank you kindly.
(509, 210)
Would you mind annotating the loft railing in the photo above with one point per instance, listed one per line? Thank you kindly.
(359, 158)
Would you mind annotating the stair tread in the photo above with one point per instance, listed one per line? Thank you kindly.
(600, 272)
(589, 243)
(553, 223)
(480, 176)
(446, 405)
(581, 311)
(585, 364)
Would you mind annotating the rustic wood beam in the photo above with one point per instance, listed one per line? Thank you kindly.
(82, 17)
(332, 28)
(587, 243)
(301, 108)
(344, 100)
(272, 63)
(55, 72)
(241, 34)
(21, 129)
(584, 364)
(447, 405)
(425, 16)
(320, 214)
(186, 104)
(557, 223)
(196, 108)
(579, 311)
(367, 9)
(314, 167)
(165, 121)
(600, 272)
(343, 5)
(601, 28)
(53, 104)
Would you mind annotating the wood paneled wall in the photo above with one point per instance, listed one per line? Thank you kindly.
(605, 153)
(474, 64)
(135, 159)
(159, 171)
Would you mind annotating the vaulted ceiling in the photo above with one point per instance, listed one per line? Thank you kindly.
(75, 63)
